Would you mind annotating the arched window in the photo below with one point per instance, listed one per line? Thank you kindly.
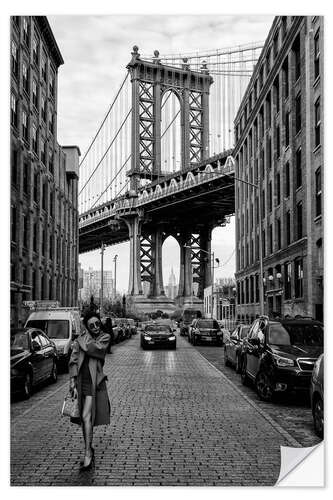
(170, 133)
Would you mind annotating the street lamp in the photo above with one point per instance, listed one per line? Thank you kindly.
(115, 275)
(261, 270)
(212, 259)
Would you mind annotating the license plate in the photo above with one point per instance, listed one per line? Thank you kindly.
(207, 338)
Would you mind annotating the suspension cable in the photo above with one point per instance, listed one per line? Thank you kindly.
(107, 150)
(165, 131)
(107, 187)
(106, 116)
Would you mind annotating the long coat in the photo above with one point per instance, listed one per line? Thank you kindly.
(95, 348)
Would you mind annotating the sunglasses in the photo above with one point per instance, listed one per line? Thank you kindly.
(95, 324)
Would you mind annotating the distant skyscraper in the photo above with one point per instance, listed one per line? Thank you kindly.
(172, 286)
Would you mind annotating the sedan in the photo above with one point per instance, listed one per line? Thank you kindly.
(233, 347)
(205, 330)
(33, 359)
(157, 335)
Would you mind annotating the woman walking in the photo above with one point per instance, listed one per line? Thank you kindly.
(87, 380)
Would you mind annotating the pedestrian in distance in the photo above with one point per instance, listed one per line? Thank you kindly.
(88, 381)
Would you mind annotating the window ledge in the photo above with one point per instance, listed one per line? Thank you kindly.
(317, 148)
(318, 218)
(317, 80)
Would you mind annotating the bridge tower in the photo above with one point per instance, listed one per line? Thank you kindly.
(150, 81)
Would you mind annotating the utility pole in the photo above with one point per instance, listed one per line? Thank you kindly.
(115, 276)
(102, 276)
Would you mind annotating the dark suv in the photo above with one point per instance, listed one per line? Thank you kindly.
(279, 356)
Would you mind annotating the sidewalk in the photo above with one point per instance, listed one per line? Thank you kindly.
(175, 420)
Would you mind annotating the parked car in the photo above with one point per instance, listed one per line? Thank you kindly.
(118, 329)
(33, 359)
(158, 335)
(279, 356)
(233, 347)
(205, 330)
(185, 321)
(61, 324)
(132, 326)
(317, 396)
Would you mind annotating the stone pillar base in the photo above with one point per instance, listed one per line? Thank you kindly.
(190, 303)
(138, 304)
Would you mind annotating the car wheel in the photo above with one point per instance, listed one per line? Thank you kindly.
(226, 360)
(27, 387)
(54, 373)
(264, 387)
(318, 417)
(244, 376)
(238, 364)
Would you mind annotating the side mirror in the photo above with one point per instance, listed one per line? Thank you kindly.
(35, 346)
(74, 336)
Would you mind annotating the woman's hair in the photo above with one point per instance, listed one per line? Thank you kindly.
(88, 315)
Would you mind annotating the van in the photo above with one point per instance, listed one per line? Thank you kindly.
(61, 324)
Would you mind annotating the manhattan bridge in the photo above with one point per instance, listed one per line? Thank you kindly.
(160, 165)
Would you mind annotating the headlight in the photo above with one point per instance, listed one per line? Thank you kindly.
(172, 337)
(280, 361)
(147, 337)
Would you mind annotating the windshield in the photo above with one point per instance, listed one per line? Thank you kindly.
(54, 328)
(244, 331)
(19, 341)
(189, 315)
(296, 334)
(157, 328)
(208, 323)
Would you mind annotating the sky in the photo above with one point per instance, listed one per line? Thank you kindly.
(96, 50)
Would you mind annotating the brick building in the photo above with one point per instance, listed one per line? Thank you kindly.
(44, 175)
(279, 147)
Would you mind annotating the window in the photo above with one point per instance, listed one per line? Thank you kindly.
(25, 177)
(35, 51)
(299, 220)
(13, 110)
(319, 245)
(263, 204)
(270, 196)
(255, 90)
(44, 66)
(318, 191)
(51, 204)
(278, 142)
(14, 166)
(51, 122)
(270, 238)
(34, 139)
(13, 226)
(25, 231)
(284, 25)
(287, 180)
(262, 164)
(43, 152)
(51, 162)
(269, 152)
(34, 93)
(25, 77)
(285, 70)
(25, 31)
(298, 278)
(287, 280)
(52, 83)
(287, 129)
(288, 227)
(43, 242)
(298, 168)
(316, 55)
(277, 93)
(278, 233)
(261, 77)
(317, 122)
(14, 59)
(298, 112)
(263, 243)
(34, 240)
(275, 44)
(278, 188)
(268, 62)
(35, 186)
(51, 247)
(268, 110)
(44, 200)
(297, 57)
(43, 109)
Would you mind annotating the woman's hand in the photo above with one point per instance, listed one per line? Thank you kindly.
(73, 386)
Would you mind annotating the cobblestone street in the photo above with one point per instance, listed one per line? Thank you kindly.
(175, 420)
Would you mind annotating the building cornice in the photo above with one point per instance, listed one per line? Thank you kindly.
(47, 33)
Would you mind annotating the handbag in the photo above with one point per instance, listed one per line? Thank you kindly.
(70, 407)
